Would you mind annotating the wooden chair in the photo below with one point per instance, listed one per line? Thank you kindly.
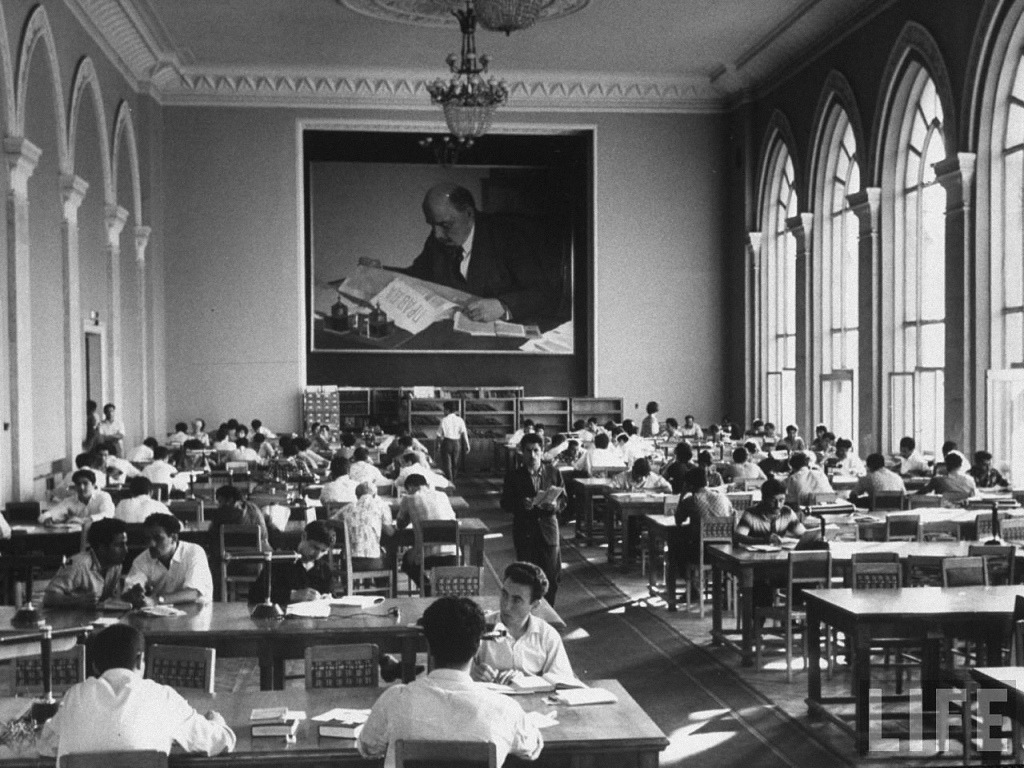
(940, 530)
(160, 491)
(182, 666)
(964, 572)
(983, 524)
(902, 527)
(237, 539)
(741, 501)
(812, 569)
(187, 510)
(713, 530)
(67, 668)
(924, 570)
(927, 501)
(999, 561)
(886, 500)
(440, 754)
(456, 580)
(356, 665)
(1012, 529)
(430, 533)
(375, 581)
(149, 758)
(882, 570)
(671, 504)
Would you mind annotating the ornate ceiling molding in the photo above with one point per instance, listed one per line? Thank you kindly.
(438, 13)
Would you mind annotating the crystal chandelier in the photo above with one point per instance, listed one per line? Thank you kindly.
(509, 15)
(467, 99)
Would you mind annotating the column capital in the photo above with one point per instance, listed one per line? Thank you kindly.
(22, 157)
(116, 218)
(866, 206)
(142, 234)
(956, 175)
(72, 190)
(801, 226)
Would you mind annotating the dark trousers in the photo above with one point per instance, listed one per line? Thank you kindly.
(547, 557)
(414, 572)
(451, 455)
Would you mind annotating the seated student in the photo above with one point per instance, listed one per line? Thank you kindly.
(340, 489)
(769, 438)
(743, 469)
(118, 469)
(198, 432)
(599, 455)
(243, 452)
(447, 704)
(912, 463)
(180, 434)
(770, 520)
(304, 579)
(804, 482)
(677, 467)
(87, 503)
(321, 440)
(792, 442)
(845, 463)
(265, 450)
(259, 429)
(143, 454)
(348, 445)
(827, 446)
(94, 575)
(691, 429)
(568, 453)
(698, 504)
(401, 445)
(671, 429)
(713, 434)
(984, 474)
(526, 428)
(411, 463)
(234, 509)
(137, 503)
(818, 443)
(361, 470)
(879, 478)
(754, 451)
(160, 471)
(707, 465)
(956, 486)
(641, 478)
(730, 430)
(119, 710)
(940, 466)
(82, 461)
(369, 521)
(423, 503)
(170, 571)
(523, 643)
(649, 427)
(756, 431)
(223, 442)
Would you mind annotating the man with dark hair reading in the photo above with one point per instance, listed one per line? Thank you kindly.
(170, 571)
(118, 710)
(93, 575)
(447, 704)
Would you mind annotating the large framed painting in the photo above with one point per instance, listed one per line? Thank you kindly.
(413, 254)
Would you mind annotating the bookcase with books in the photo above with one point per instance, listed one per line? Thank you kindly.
(354, 407)
(601, 408)
(321, 404)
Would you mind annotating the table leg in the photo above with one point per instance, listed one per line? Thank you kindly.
(747, 612)
(717, 601)
(472, 549)
(671, 569)
(609, 527)
(652, 552)
(861, 687)
(271, 674)
(627, 540)
(588, 515)
(814, 656)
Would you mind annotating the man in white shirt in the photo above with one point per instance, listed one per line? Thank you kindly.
(258, 428)
(424, 503)
(94, 575)
(599, 455)
(82, 461)
(180, 434)
(243, 452)
(691, 429)
(912, 463)
(88, 503)
(454, 439)
(845, 463)
(143, 453)
(447, 704)
(119, 710)
(522, 643)
(804, 483)
(340, 489)
(362, 471)
(138, 505)
(879, 478)
(118, 469)
(411, 464)
(160, 471)
(169, 571)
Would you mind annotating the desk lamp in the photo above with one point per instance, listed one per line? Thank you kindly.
(27, 616)
(16, 646)
(268, 609)
(995, 540)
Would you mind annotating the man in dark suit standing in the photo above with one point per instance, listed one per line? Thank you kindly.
(500, 259)
(535, 527)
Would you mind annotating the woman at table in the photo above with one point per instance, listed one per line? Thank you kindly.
(641, 478)
(522, 643)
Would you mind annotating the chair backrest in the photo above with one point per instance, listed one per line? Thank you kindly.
(440, 754)
(716, 529)
(456, 580)
(433, 532)
(1012, 529)
(160, 491)
(67, 668)
(877, 574)
(999, 561)
(903, 527)
(182, 666)
(983, 524)
(880, 556)
(343, 666)
(887, 500)
(236, 467)
(924, 570)
(187, 510)
(149, 758)
(361, 581)
(21, 512)
(940, 530)
(741, 501)
(964, 572)
(671, 504)
(812, 568)
(244, 537)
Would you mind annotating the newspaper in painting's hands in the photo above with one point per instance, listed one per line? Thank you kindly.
(412, 307)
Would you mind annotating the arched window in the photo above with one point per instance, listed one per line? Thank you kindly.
(779, 290)
(917, 383)
(840, 177)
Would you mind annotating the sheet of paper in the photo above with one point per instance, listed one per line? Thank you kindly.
(357, 601)
(464, 325)
(342, 715)
(312, 609)
(412, 307)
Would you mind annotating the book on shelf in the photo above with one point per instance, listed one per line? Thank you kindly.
(341, 723)
(275, 721)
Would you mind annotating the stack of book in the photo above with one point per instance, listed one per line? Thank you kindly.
(341, 723)
(275, 721)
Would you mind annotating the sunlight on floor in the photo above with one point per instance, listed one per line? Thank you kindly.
(798, 664)
(684, 742)
(577, 634)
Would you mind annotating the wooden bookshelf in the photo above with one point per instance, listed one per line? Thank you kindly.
(551, 412)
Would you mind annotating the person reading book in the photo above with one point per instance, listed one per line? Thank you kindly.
(119, 710)
(447, 704)
(522, 643)
(95, 574)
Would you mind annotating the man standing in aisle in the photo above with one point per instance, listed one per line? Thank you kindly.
(534, 494)
(454, 439)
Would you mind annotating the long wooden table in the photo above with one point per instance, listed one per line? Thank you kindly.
(627, 507)
(982, 614)
(749, 568)
(582, 492)
(228, 628)
(608, 735)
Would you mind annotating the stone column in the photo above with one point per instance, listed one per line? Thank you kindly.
(801, 226)
(22, 157)
(754, 343)
(73, 191)
(872, 397)
(965, 378)
(141, 241)
(116, 219)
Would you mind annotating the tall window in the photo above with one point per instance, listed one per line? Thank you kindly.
(840, 228)
(917, 381)
(779, 291)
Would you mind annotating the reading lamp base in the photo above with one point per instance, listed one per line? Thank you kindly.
(267, 611)
(27, 617)
(43, 710)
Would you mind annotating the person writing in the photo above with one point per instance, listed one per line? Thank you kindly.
(447, 704)
(118, 710)
(770, 521)
(521, 642)
(305, 578)
(421, 502)
(88, 503)
(92, 576)
(170, 571)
